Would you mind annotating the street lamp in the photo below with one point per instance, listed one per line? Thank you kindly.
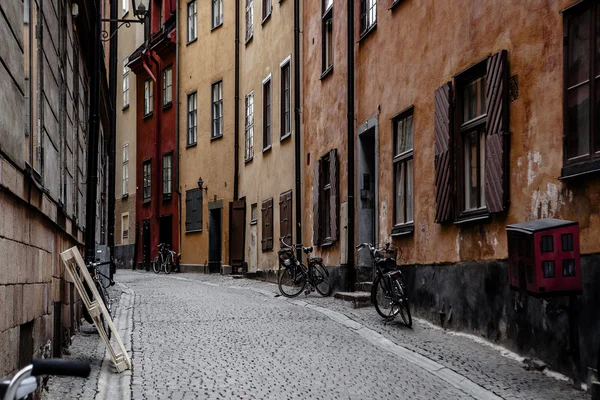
(141, 12)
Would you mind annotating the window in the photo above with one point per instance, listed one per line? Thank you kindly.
(167, 175)
(254, 214)
(547, 243)
(326, 199)
(249, 152)
(567, 241)
(403, 170)
(217, 110)
(266, 9)
(285, 217)
(148, 97)
(327, 35)
(267, 225)
(286, 100)
(368, 15)
(125, 228)
(167, 86)
(147, 174)
(125, 6)
(582, 84)
(549, 269)
(193, 210)
(471, 143)
(217, 13)
(192, 21)
(249, 19)
(125, 172)
(125, 82)
(192, 120)
(267, 136)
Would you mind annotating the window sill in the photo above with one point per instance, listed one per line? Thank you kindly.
(367, 32)
(253, 222)
(248, 39)
(394, 4)
(327, 243)
(191, 145)
(286, 136)
(327, 72)
(265, 19)
(125, 107)
(472, 216)
(147, 116)
(216, 27)
(571, 172)
(125, 196)
(247, 160)
(167, 197)
(194, 231)
(216, 137)
(191, 41)
(168, 105)
(266, 149)
(146, 201)
(267, 250)
(403, 229)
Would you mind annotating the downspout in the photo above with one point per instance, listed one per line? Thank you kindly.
(177, 124)
(297, 138)
(236, 150)
(350, 273)
(155, 169)
(113, 131)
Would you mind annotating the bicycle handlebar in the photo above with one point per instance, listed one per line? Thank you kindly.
(60, 367)
(100, 263)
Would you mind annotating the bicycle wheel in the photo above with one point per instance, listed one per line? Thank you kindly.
(104, 298)
(168, 264)
(401, 302)
(382, 299)
(321, 279)
(292, 281)
(156, 265)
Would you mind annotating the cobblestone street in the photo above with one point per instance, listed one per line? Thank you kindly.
(214, 337)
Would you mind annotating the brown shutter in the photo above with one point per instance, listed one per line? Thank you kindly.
(264, 225)
(496, 144)
(444, 184)
(316, 193)
(237, 236)
(285, 217)
(270, 224)
(334, 198)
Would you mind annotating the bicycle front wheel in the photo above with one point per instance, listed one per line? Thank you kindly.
(168, 265)
(402, 303)
(156, 265)
(291, 281)
(381, 297)
(104, 299)
(321, 279)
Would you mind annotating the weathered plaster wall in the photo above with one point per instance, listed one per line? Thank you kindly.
(203, 62)
(324, 116)
(269, 173)
(404, 60)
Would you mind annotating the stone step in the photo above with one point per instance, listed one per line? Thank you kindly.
(363, 286)
(355, 299)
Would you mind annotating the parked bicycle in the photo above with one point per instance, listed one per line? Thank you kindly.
(293, 275)
(388, 293)
(102, 283)
(164, 260)
(25, 381)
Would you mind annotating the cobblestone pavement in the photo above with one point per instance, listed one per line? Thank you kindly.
(214, 337)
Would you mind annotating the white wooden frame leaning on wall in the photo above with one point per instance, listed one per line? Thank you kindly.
(95, 306)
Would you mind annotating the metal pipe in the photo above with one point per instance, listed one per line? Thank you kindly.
(297, 136)
(177, 123)
(157, 111)
(113, 133)
(236, 113)
(350, 273)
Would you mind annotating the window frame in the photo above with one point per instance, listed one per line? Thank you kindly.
(195, 194)
(146, 181)
(403, 158)
(192, 31)
(266, 15)
(216, 108)
(125, 171)
(326, 47)
(249, 127)
(365, 26)
(216, 23)
(590, 163)
(169, 194)
(167, 86)
(267, 114)
(193, 95)
(124, 7)
(249, 27)
(125, 83)
(148, 97)
(285, 116)
(254, 214)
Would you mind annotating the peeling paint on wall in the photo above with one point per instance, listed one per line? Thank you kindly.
(383, 222)
(547, 204)
(534, 161)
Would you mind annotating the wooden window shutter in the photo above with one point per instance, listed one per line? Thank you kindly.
(285, 217)
(270, 227)
(199, 209)
(188, 210)
(334, 197)
(316, 193)
(444, 167)
(496, 144)
(264, 225)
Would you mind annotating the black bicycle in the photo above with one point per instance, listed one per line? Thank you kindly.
(388, 293)
(293, 275)
(102, 283)
(164, 260)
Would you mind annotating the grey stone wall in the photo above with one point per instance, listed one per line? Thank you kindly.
(124, 255)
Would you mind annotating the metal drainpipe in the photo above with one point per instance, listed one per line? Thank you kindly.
(236, 113)
(297, 138)
(350, 273)
(113, 131)
(177, 125)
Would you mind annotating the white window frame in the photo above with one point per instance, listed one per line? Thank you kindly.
(124, 240)
(167, 175)
(168, 86)
(216, 109)
(192, 127)
(249, 19)
(192, 21)
(125, 7)
(125, 170)
(264, 117)
(148, 97)
(126, 70)
(216, 14)
(249, 137)
(286, 62)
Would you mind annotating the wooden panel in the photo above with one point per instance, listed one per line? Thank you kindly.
(316, 193)
(285, 217)
(237, 233)
(496, 148)
(334, 198)
(444, 184)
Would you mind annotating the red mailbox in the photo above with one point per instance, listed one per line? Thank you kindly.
(543, 257)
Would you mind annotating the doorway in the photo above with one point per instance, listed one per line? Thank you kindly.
(366, 186)
(237, 234)
(146, 244)
(214, 239)
(166, 230)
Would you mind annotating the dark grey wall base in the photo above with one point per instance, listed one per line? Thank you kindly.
(475, 297)
(124, 256)
(197, 268)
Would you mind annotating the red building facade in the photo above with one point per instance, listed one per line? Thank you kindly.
(157, 206)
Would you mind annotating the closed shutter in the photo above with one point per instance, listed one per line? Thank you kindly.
(444, 184)
(188, 210)
(267, 225)
(496, 144)
(285, 217)
(270, 221)
(198, 210)
(193, 210)
(316, 193)
(334, 197)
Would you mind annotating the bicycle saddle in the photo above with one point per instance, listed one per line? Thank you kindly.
(307, 250)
